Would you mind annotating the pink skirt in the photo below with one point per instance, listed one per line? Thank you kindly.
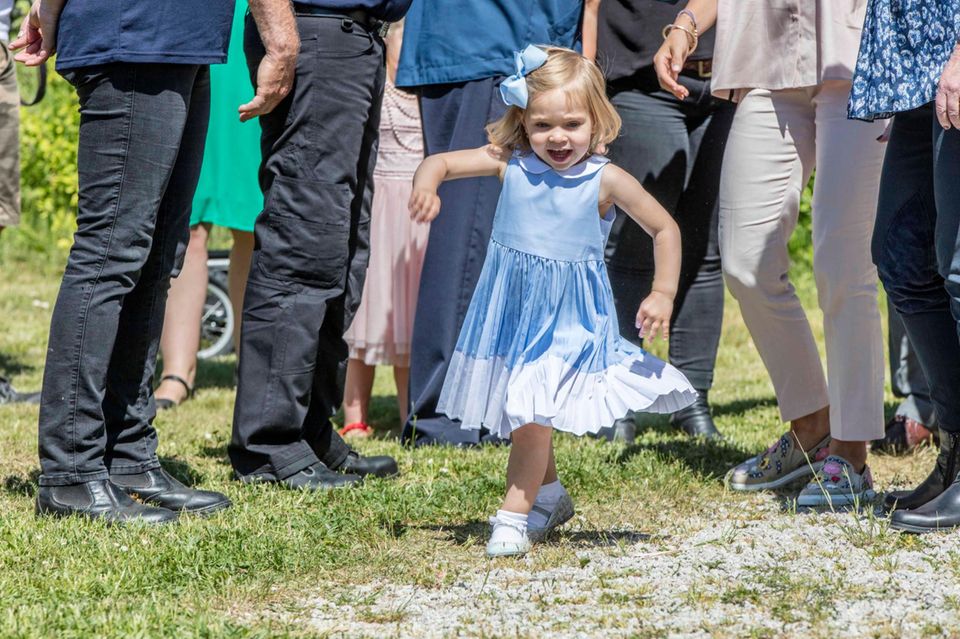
(380, 332)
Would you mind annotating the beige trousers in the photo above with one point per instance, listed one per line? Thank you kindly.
(777, 139)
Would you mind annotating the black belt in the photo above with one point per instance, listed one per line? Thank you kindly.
(358, 16)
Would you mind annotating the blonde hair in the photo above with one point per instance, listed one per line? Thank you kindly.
(581, 80)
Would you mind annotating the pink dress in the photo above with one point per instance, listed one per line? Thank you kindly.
(380, 333)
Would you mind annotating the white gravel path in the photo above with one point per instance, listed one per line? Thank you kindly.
(758, 572)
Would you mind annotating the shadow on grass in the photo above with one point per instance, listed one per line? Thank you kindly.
(740, 406)
(473, 532)
(11, 366)
(211, 373)
(712, 458)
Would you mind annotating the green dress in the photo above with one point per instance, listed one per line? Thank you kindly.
(228, 193)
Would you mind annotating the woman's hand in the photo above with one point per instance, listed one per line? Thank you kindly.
(424, 205)
(669, 60)
(654, 315)
(948, 93)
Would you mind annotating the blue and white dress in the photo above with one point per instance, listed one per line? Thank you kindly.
(540, 343)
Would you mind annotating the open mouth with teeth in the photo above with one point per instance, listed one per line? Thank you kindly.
(560, 156)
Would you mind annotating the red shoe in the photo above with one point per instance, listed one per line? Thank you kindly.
(356, 430)
(902, 434)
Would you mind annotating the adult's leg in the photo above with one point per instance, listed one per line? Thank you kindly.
(454, 117)
(849, 160)
(905, 250)
(769, 158)
(676, 150)
(917, 253)
(240, 255)
(310, 252)
(907, 380)
(133, 119)
(180, 338)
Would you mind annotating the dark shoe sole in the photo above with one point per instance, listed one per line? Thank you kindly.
(920, 530)
(136, 521)
(251, 479)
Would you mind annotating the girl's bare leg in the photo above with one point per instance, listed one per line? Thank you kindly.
(527, 467)
(357, 391)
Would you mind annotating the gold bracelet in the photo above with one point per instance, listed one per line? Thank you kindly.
(693, 36)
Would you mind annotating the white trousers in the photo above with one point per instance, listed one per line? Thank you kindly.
(777, 139)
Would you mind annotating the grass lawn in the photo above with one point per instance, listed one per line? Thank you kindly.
(265, 567)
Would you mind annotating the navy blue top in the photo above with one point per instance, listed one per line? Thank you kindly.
(388, 10)
(458, 40)
(171, 31)
(903, 49)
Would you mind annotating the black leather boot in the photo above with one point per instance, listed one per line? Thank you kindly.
(157, 487)
(695, 419)
(374, 466)
(940, 513)
(98, 500)
(939, 479)
(315, 477)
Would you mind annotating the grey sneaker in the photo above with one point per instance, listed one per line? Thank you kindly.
(838, 484)
(782, 464)
(562, 513)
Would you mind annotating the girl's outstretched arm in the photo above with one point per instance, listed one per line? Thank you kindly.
(622, 189)
(484, 161)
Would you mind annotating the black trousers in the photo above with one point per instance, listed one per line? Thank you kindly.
(675, 149)
(142, 129)
(916, 247)
(312, 244)
(454, 117)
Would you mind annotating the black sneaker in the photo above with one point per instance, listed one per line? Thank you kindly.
(9, 395)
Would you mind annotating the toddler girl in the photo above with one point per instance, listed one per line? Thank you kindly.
(539, 348)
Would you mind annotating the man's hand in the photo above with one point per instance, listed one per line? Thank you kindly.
(274, 81)
(278, 31)
(654, 315)
(38, 33)
(948, 93)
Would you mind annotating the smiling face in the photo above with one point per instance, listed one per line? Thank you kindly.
(559, 130)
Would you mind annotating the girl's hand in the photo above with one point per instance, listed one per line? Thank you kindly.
(669, 60)
(424, 205)
(654, 315)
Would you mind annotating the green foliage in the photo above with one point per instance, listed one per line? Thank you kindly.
(801, 242)
(48, 169)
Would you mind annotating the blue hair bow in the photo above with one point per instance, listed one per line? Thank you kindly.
(513, 90)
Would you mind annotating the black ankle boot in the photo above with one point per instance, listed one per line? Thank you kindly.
(940, 478)
(695, 419)
(98, 500)
(158, 488)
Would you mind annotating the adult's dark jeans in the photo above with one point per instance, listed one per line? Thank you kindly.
(916, 247)
(454, 117)
(142, 129)
(319, 148)
(675, 148)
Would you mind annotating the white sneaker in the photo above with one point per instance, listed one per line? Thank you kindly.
(511, 543)
(561, 513)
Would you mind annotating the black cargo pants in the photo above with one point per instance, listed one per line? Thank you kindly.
(319, 148)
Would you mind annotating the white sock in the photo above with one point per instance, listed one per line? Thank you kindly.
(513, 528)
(547, 498)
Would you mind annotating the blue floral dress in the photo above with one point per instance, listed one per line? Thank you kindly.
(903, 49)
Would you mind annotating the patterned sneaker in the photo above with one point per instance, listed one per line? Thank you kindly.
(516, 542)
(782, 464)
(562, 513)
(838, 484)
